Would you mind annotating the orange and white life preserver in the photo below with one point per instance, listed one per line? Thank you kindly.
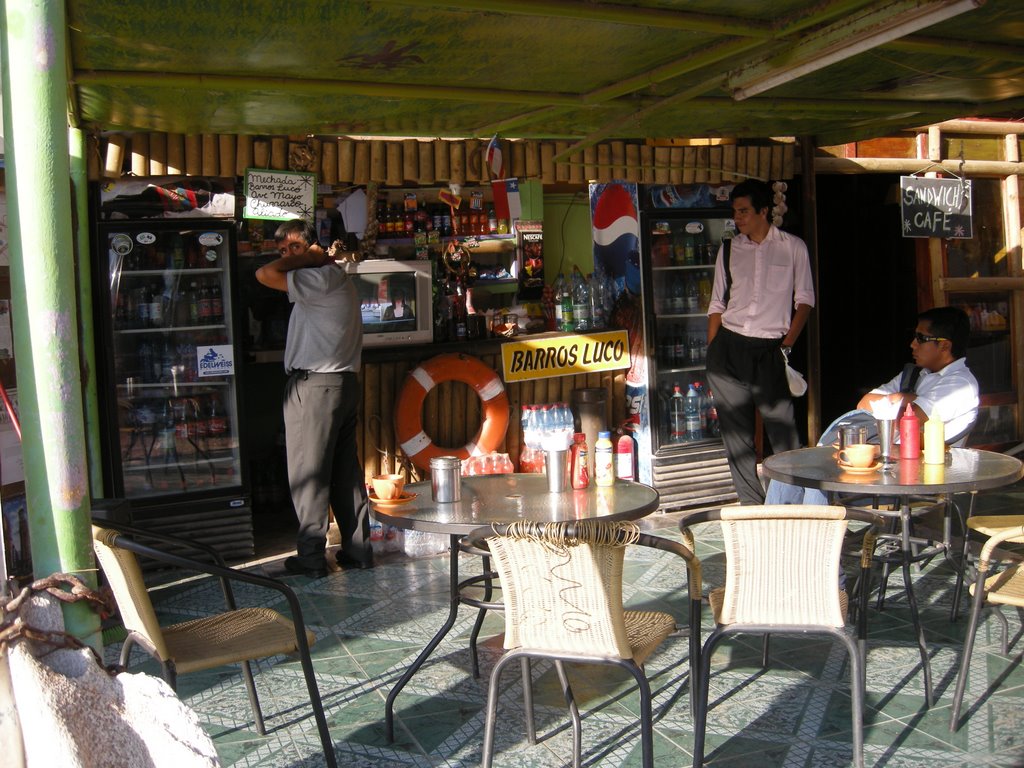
(415, 443)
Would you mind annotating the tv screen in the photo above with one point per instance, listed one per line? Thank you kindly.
(394, 300)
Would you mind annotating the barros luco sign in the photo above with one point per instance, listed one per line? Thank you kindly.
(565, 355)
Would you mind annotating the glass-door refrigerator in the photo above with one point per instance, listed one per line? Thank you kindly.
(681, 230)
(168, 341)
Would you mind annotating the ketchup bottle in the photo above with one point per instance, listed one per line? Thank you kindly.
(910, 435)
(579, 473)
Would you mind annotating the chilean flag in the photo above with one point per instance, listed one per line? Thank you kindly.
(493, 158)
(507, 204)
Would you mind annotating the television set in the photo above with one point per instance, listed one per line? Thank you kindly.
(395, 301)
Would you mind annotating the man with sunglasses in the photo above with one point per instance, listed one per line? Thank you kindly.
(938, 383)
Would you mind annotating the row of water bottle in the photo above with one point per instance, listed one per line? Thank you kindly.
(583, 302)
(692, 416)
(547, 427)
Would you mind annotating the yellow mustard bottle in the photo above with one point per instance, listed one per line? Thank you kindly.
(934, 441)
(604, 472)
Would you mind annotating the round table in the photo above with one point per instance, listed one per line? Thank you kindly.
(488, 499)
(966, 469)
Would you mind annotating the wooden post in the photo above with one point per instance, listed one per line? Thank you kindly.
(675, 161)
(243, 154)
(577, 173)
(393, 174)
(346, 160)
(517, 166)
(662, 158)
(618, 151)
(361, 163)
(788, 161)
(729, 162)
(278, 153)
(114, 156)
(532, 159)
(175, 154)
(715, 164)
(590, 163)
(226, 150)
(157, 154)
(329, 161)
(410, 160)
(211, 167)
(700, 173)
(689, 164)
(425, 163)
(764, 163)
(193, 154)
(647, 163)
(474, 161)
(776, 162)
(140, 154)
(378, 161)
(547, 163)
(456, 162)
(633, 172)
(442, 165)
(604, 163)
(261, 153)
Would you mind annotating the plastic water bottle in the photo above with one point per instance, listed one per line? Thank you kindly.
(692, 415)
(714, 428)
(581, 301)
(677, 416)
(557, 289)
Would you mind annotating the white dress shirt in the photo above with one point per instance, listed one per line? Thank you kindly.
(769, 279)
(951, 394)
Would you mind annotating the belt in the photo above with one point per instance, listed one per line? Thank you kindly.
(753, 341)
(302, 373)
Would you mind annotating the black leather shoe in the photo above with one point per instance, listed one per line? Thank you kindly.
(294, 565)
(347, 562)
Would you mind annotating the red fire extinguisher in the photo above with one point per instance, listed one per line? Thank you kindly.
(625, 453)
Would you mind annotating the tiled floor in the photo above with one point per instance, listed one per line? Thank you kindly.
(370, 625)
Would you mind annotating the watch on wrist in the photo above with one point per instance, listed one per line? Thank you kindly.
(786, 349)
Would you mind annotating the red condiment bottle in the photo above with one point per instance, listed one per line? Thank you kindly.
(910, 435)
(579, 474)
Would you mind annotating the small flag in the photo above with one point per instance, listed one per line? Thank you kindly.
(507, 204)
(495, 161)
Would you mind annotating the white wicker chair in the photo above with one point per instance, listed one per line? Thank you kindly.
(562, 589)
(781, 565)
(1005, 587)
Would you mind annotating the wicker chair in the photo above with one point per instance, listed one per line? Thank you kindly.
(1005, 587)
(781, 565)
(237, 635)
(562, 590)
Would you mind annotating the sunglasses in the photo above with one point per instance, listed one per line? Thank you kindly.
(920, 338)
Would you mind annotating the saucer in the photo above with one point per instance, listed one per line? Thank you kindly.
(405, 498)
(861, 470)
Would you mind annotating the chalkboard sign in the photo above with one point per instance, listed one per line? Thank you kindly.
(279, 195)
(936, 207)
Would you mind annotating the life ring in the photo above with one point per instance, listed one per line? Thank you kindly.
(415, 443)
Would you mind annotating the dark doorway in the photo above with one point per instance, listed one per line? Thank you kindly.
(867, 287)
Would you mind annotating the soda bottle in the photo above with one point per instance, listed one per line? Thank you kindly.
(677, 296)
(692, 415)
(193, 303)
(205, 304)
(568, 319)
(677, 416)
(682, 352)
(714, 428)
(492, 221)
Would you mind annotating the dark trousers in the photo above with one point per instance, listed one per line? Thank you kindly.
(320, 417)
(745, 374)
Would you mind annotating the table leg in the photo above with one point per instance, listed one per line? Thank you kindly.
(453, 611)
(908, 585)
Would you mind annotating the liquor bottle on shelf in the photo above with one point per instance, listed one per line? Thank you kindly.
(156, 306)
(216, 303)
(557, 289)
(205, 304)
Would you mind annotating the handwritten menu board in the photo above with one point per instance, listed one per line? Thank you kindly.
(936, 207)
(279, 195)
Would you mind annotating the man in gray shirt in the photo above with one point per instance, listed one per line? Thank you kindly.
(323, 351)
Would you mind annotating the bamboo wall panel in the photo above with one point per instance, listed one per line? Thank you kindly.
(411, 161)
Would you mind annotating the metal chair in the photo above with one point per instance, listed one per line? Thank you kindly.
(562, 590)
(990, 588)
(781, 565)
(237, 635)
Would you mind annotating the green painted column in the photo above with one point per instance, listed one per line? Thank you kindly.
(44, 306)
(86, 329)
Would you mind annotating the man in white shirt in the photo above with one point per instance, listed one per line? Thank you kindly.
(943, 388)
(762, 296)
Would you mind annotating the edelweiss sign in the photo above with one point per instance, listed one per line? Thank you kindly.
(218, 360)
